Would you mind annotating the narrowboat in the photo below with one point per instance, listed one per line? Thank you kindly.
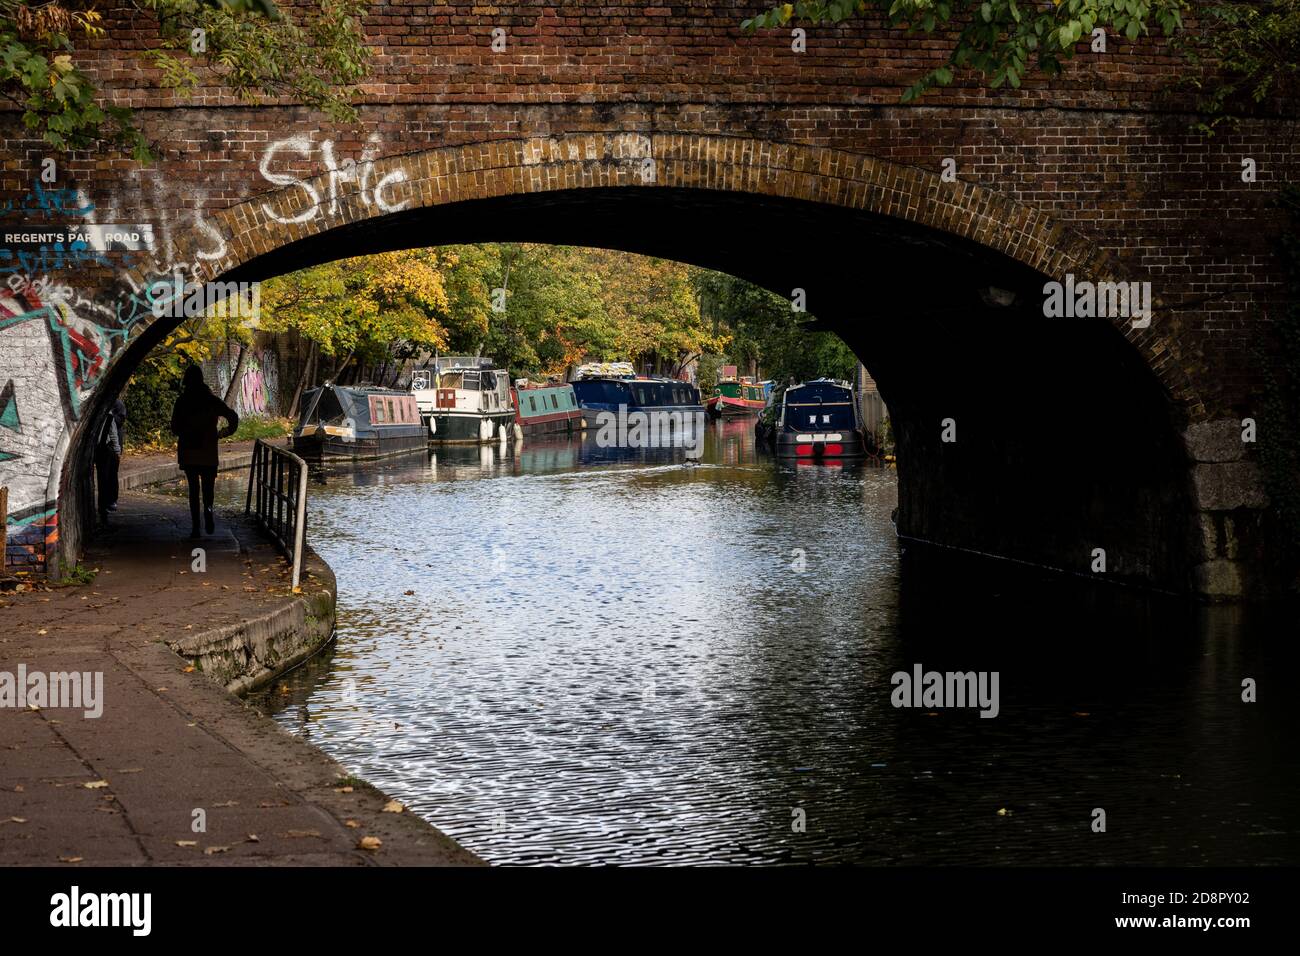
(814, 420)
(546, 409)
(464, 400)
(736, 396)
(357, 422)
(613, 386)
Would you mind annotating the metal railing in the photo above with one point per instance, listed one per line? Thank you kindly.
(277, 484)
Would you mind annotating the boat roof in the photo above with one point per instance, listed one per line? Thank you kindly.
(363, 389)
(463, 363)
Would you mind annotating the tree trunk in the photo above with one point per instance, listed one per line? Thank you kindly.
(308, 367)
(237, 374)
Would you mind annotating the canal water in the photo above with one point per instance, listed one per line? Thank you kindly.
(561, 655)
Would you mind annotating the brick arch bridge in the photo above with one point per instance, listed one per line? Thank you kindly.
(1072, 434)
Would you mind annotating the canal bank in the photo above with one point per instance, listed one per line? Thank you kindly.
(174, 768)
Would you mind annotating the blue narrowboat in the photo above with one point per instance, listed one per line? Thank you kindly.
(814, 421)
(609, 387)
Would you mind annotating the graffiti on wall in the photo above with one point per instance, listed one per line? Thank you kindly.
(257, 388)
(337, 173)
(251, 391)
(57, 340)
(56, 343)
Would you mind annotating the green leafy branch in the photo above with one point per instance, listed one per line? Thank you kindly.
(1002, 40)
(252, 48)
(1245, 52)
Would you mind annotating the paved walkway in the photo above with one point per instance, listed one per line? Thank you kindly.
(125, 788)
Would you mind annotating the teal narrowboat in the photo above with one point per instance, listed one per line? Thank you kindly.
(540, 409)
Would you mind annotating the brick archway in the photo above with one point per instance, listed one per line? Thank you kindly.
(430, 178)
(323, 213)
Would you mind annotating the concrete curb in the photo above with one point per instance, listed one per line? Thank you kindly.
(249, 654)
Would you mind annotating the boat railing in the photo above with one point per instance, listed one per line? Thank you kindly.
(277, 497)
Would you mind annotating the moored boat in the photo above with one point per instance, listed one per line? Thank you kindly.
(814, 420)
(614, 388)
(464, 400)
(357, 422)
(545, 409)
(735, 396)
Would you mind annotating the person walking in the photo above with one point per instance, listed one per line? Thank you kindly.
(108, 457)
(194, 423)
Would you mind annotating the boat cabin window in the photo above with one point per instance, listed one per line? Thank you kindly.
(532, 402)
(555, 402)
(468, 380)
(488, 381)
(378, 412)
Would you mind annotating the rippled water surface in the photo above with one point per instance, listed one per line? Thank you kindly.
(560, 656)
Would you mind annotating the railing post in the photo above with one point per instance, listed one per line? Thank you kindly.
(300, 523)
(277, 480)
(252, 472)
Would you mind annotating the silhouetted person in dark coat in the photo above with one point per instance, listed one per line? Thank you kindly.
(108, 456)
(194, 422)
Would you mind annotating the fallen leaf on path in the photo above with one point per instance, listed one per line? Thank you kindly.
(42, 631)
(252, 838)
(17, 819)
(351, 824)
(342, 789)
(190, 670)
(18, 788)
(393, 806)
(209, 851)
(95, 784)
(70, 859)
(299, 834)
(187, 842)
(369, 843)
(228, 803)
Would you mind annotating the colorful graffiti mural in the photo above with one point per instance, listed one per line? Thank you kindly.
(57, 343)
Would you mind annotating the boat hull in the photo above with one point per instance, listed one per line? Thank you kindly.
(317, 444)
(556, 423)
(451, 428)
(591, 414)
(727, 407)
(820, 446)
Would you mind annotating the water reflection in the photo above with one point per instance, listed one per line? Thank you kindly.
(638, 659)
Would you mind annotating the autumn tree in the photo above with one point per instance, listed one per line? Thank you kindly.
(764, 329)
